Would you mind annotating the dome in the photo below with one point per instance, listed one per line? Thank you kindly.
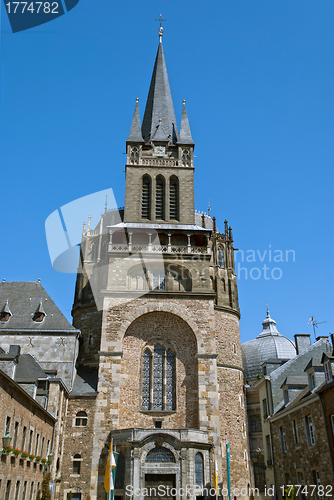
(270, 344)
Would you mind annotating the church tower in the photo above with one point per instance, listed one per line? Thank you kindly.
(157, 306)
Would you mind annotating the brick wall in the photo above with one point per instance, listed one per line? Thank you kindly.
(23, 412)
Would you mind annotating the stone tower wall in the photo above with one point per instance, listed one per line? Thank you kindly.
(134, 175)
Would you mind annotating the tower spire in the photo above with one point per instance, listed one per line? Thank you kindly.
(159, 109)
(135, 131)
(185, 134)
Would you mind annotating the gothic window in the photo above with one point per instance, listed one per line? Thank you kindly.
(160, 455)
(158, 382)
(158, 377)
(146, 198)
(160, 199)
(81, 419)
(199, 470)
(173, 199)
(134, 154)
(147, 363)
(220, 257)
(185, 155)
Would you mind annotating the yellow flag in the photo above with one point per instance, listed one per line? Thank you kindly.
(111, 464)
(216, 475)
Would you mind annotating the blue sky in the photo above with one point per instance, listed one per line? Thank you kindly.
(258, 78)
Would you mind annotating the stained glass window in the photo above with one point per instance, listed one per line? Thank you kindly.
(158, 376)
(199, 470)
(170, 393)
(146, 379)
(160, 455)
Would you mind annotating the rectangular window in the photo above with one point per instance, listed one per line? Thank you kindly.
(269, 458)
(24, 491)
(76, 466)
(31, 435)
(42, 447)
(295, 431)
(328, 371)
(7, 428)
(265, 408)
(24, 436)
(17, 489)
(332, 422)
(16, 431)
(310, 431)
(300, 477)
(47, 448)
(283, 441)
(316, 480)
(7, 494)
(37, 445)
(31, 491)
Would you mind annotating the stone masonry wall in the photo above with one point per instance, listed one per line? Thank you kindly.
(78, 441)
(194, 318)
(300, 461)
(145, 331)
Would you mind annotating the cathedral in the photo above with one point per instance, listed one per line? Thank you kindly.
(156, 302)
(154, 355)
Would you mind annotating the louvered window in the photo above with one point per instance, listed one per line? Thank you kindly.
(158, 383)
(159, 199)
(146, 198)
(173, 199)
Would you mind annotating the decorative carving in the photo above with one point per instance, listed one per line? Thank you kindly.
(160, 441)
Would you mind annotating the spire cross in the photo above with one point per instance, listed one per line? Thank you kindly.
(160, 29)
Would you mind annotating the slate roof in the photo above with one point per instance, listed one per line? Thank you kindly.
(24, 300)
(85, 382)
(159, 105)
(28, 370)
(185, 134)
(295, 380)
(135, 131)
(315, 363)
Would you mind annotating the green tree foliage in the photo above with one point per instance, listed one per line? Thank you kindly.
(38, 495)
(46, 493)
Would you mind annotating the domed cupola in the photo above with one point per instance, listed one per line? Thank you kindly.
(269, 344)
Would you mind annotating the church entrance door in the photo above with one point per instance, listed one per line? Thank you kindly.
(166, 483)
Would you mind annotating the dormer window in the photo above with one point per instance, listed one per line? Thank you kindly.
(5, 313)
(328, 371)
(311, 381)
(4, 316)
(40, 314)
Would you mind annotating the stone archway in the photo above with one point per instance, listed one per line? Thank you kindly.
(148, 330)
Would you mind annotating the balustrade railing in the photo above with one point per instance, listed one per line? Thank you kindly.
(159, 248)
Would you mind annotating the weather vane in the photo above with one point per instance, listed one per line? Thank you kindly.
(267, 308)
(160, 29)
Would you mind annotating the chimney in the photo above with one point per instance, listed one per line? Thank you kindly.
(303, 342)
(332, 339)
(14, 350)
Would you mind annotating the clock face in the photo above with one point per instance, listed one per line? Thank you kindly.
(159, 150)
